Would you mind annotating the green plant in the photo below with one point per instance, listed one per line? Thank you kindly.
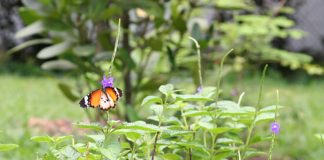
(181, 125)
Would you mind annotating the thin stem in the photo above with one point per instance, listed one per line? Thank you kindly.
(276, 113)
(273, 134)
(219, 75)
(155, 141)
(240, 99)
(256, 112)
(115, 50)
(199, 60)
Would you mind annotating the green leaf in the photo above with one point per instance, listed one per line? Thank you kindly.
(158, 109)
(46, 139)
(60, 64)
(93, 126)
(67, 91)
(177, 132)
(264, 117)
(28, 15)
(111, 148)
(97, 138)
(8, 147)
(257, 139)
(71, 153)
(170, 156)
(54, 50)
(234, 4)
(155, 43)
(62, 139)
(84, 51)
(194, 145)
(34, 28)
(220, 130)
(192, 97)
(228, 141)
(193, 113)
(140, 125)
(131, 134)
(166, 89)
(151, 99)
(272, 108)
(206, 125)
(320, 137)
(29, 43)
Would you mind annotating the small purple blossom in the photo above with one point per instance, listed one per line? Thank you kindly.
(275, 127)
(199, 89)
(107, 82)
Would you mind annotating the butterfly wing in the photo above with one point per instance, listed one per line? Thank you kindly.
(100, 99)
(92, 99)
(114, 93)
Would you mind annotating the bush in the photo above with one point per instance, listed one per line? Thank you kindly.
(181, 126)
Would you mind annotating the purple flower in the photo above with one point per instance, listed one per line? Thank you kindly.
(199, 89)
(107, 82)
(275, 127)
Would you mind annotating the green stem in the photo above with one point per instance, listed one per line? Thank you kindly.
(115, 51)
(219, 75)
(199, 60)
(251, 127)
(273, 134)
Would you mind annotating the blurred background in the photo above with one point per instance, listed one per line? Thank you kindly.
(52, 53)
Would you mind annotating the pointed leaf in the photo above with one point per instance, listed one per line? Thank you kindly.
(46, 139)
(8, 147)
(151, 99)
(140, 125)
(34, 28)
(54, 50)
(193, 113)
(60, 64)
(166, 89)
(29, 43)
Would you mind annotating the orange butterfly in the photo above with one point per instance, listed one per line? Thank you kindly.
(104, 99)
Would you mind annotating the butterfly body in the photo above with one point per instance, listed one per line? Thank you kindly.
(104, 98)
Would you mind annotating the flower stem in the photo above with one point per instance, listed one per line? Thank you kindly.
(115, 51)
(273, 134)
(199, 60)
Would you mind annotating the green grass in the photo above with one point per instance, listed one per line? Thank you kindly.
(24, 97)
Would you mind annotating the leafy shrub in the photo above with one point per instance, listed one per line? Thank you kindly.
(180, 126)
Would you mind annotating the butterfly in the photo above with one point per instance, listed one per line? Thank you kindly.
(104, 98)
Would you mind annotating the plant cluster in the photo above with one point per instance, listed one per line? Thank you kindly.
(181, 126)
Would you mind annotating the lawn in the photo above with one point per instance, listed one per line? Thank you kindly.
(26, 97)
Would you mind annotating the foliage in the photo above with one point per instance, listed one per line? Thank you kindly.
(154, 40)
(191, 126)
